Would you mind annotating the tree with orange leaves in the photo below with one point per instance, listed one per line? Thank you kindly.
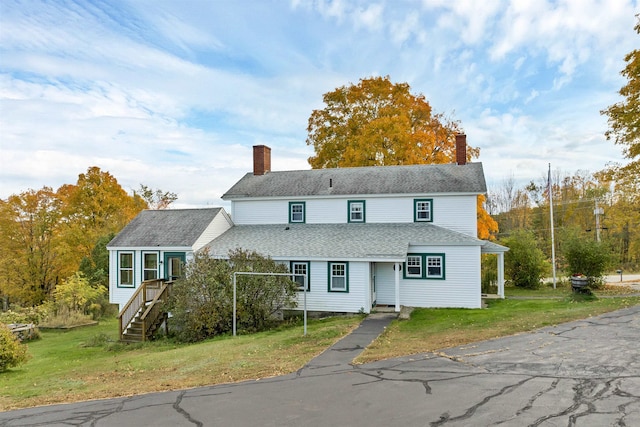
(380, 123)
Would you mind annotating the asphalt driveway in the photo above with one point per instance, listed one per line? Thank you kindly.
(584, 373)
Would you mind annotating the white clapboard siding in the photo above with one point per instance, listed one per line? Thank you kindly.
(320, 299)
(456, 213)
(220, 224)
(460, 288)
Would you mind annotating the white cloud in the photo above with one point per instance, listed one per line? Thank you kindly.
(175, 95)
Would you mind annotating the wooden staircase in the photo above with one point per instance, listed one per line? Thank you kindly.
(143, 314)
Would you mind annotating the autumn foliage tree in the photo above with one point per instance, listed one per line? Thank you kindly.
(95, 206)
(624, 116)
(380, 123)
(46, 236)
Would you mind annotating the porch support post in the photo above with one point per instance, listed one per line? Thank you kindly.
(396, 269)
(501, 275)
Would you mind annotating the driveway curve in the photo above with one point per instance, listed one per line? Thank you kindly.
(583, 373)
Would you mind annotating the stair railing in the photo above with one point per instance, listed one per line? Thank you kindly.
(145, 293)
(154, 309)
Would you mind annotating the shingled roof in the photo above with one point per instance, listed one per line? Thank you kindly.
(388, 241)
(165, 228)
(413, 179)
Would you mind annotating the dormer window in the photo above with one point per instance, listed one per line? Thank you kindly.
(296, 212)
(423, 210)
(356, 211)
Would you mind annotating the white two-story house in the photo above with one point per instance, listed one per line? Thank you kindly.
(366, 236)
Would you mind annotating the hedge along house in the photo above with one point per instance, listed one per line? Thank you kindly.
(367, 236)
(156, 244)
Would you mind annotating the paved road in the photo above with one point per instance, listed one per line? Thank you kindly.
(584, 373)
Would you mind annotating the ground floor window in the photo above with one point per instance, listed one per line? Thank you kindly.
(435, 266)
(125, 269)
(424, 266)
(300, 270)
(149, 266)
(338, 277)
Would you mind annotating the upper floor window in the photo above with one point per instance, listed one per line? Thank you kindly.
(423, 210)
(125, 269)
(356, 211)
(296, 212)
(300, 270)
(149, 265)
(338, 277)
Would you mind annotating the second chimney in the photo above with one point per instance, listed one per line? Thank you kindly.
(461, 149)
(261, 159)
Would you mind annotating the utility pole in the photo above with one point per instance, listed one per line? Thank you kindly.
(598, 211)
(553, 243)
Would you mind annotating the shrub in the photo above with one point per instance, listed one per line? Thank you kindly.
(525, 264)
(12, 352)
(587, 257)
(202, 302)
(18, 314)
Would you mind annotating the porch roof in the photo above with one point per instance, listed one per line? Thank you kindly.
(336, 241)
(492, 248)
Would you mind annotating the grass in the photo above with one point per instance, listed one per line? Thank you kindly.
(431, 330)
(88, 363)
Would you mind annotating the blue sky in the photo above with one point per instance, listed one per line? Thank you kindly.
(173, 94)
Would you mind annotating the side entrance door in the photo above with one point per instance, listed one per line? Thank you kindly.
(173, 265)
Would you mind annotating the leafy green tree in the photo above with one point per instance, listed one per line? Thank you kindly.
(202, 302)
(77, 295)
(380, 123)
(525, 264)
(587, 257)
(12, 352)
(96, 266)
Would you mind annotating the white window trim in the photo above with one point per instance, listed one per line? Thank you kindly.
(440, 258)
(416, 202)
(407, 265)
(354, 203)
(306, 267)
(345, 276)
(303, 212)
(145, 269)
(130, 269)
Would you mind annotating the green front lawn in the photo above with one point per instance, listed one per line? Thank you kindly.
(88, 363)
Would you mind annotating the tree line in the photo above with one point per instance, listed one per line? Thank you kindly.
(586, 206)
(48, 236)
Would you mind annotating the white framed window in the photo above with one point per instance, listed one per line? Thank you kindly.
(338, 277)
(356, 211)
(435, 266)
(297, 212)
(125, 270)
(423, 210)
(300, 269)
(150, 265)
(414, 266)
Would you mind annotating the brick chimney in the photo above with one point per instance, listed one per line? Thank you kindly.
(461, 149)
(261, 159)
